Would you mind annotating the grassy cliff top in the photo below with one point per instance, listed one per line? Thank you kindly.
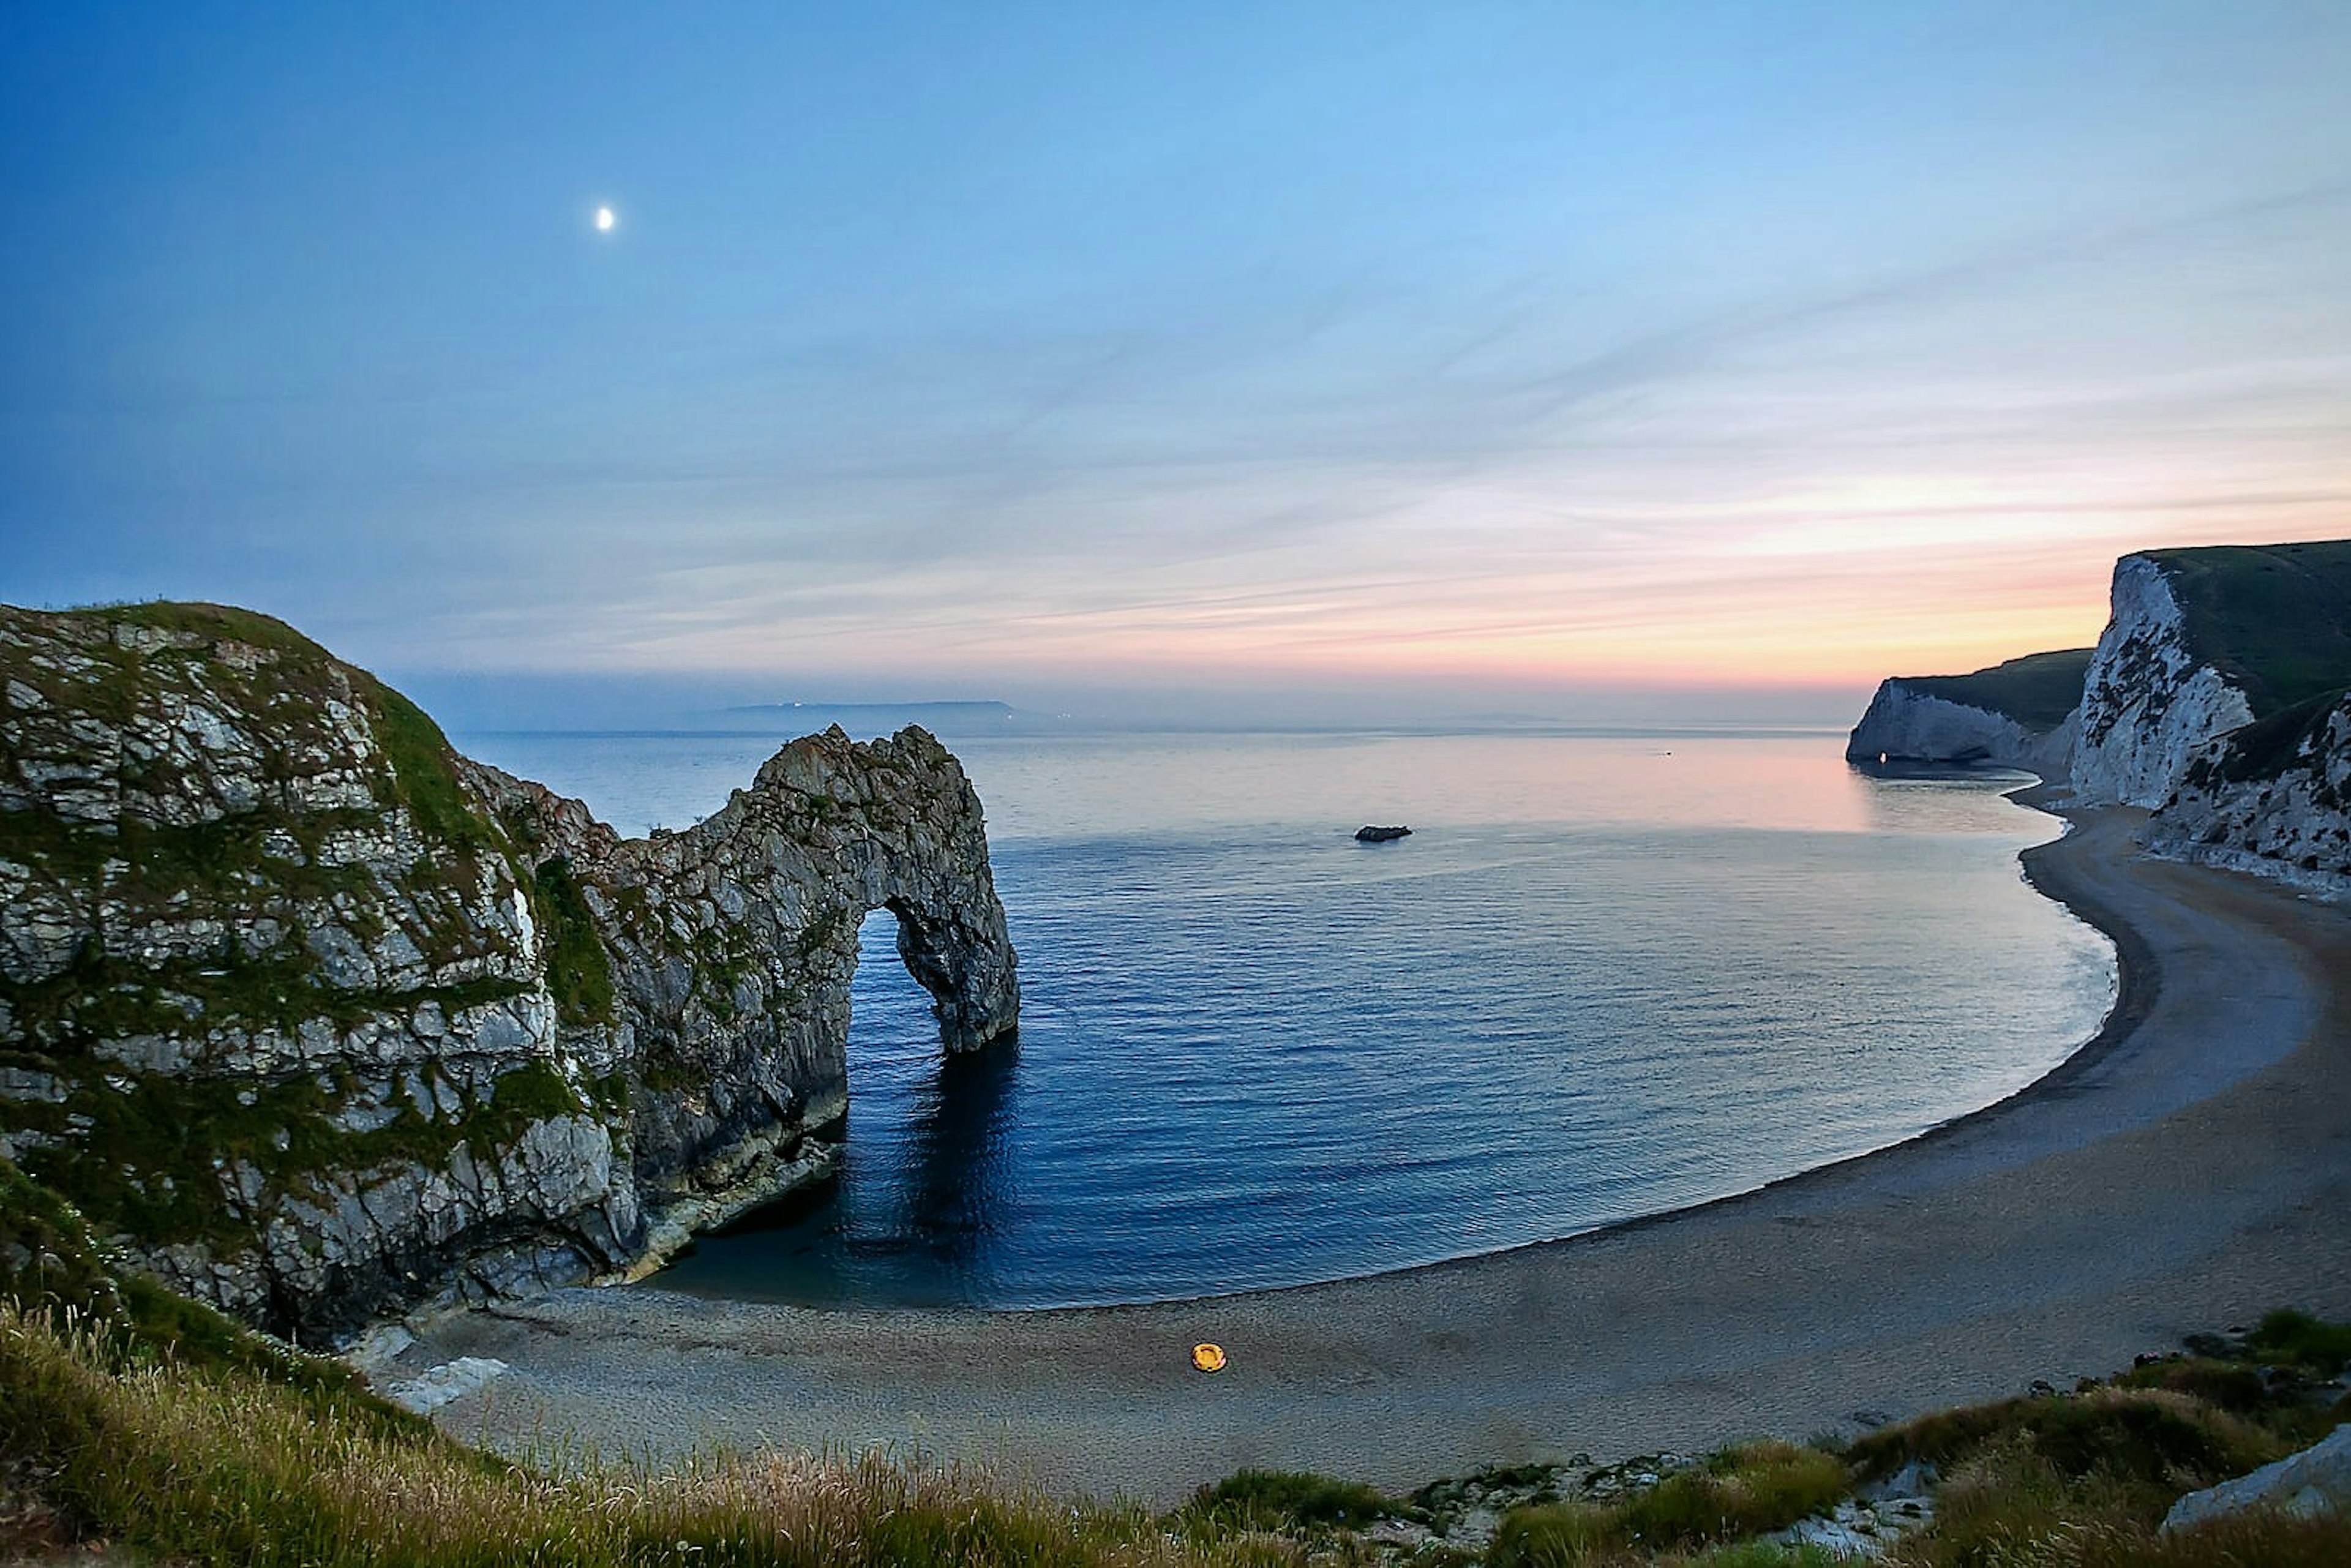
(297, 675)
(2037, 690)
(2276, 619)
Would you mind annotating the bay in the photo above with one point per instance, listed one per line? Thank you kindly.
(1607, 975)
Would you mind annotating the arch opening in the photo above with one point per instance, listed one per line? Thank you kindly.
(922, 1156)
(920, 1187)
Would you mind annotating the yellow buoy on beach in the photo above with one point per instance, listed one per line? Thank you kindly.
(1208, 1357)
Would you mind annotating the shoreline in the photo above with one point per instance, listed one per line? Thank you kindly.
(1927, 1272)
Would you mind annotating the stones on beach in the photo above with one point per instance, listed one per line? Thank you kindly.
(1369, 835)
(1858, 1530)
(430, 1390)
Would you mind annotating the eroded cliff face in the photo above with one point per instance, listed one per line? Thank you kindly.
(2272, 799)
(1904, 724)
(321, 1019)
(730, 946)
(2214, 699)
(2151, 701)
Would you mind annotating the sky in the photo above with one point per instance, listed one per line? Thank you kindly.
(1555, 358)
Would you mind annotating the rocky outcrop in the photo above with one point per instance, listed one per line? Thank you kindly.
(2272, 799)
(2018, 714)
(2218, 698)
(2311, 1484)
(2152, 699)
(2215, 700)
(1905, 726)
(322, 1020)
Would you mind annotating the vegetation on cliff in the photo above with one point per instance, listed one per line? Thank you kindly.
(2037, 690)
(322, 1018)
(223, 852)
(2274, 619)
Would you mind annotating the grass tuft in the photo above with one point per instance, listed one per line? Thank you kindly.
(1287, 1500)
(1560, 1535)
(1738, 1492)
(2155, 1436)
(2297, 1339)
(1745, 1491)
(579, 972)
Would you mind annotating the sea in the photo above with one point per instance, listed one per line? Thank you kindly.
(1607, 976)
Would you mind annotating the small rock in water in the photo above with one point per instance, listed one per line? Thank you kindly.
(1372, 835)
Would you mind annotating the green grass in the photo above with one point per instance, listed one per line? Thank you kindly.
(2037, 690)
(216, 1465)
(2083, 1481)
(148, 1154)
(1560, 1535)
(1763, 1554)
(2276, 619)
(131, 1416)
(2150, 1436)
(579, 972)
(425, 770)
(168, 1430)
(214, 622)
(2297, 1339)
(54, 1269)
(147, 1160)
(1741, 1491)
(1736, 1493)
(1288, 1500)
(2269, 744)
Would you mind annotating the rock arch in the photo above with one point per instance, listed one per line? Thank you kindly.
(734, 943)
(499, 1045)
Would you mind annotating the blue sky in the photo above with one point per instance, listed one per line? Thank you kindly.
(1488, 354)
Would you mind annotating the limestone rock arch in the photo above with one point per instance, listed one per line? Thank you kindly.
(733, 944)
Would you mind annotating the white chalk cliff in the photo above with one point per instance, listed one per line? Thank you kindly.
(2018, 714)
(2215, 700)
(2151, 702)
(2272, 799)
(1905, 724)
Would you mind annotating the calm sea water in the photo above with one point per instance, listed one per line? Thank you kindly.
(1605, 977)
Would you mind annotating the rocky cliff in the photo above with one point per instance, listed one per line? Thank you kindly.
(2216, 699)
(2019, 714)
(2274, 798)
(322, 1018)
(2201, 642)
(2151, 698)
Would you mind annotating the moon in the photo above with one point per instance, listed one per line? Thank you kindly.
(605, 220)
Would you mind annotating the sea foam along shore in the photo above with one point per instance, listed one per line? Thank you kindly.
(2188, 1168)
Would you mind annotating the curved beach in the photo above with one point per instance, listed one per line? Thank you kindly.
(2188, 1169)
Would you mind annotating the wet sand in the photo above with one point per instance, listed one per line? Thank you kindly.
(2186, 1170)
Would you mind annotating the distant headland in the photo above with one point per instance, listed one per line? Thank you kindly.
(2217, 700)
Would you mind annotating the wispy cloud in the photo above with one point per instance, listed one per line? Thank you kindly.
(1489, 368)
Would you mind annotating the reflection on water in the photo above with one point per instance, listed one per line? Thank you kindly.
(924, 1178)
(957, 1164)
(1604, 976)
